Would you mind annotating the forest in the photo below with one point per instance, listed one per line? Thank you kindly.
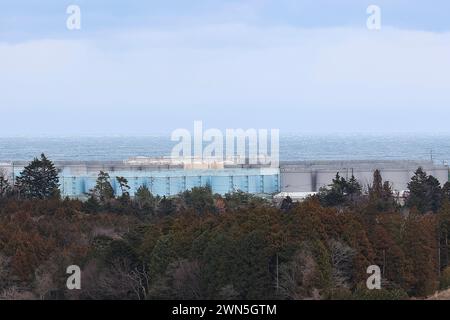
(200, 245)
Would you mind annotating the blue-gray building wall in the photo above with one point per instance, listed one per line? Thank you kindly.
(77, 179)
(169, 183)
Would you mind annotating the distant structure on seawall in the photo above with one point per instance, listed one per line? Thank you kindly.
(301, 178)
(162, 176)
(167, 178)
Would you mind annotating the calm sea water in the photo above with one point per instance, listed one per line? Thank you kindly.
(292, 147)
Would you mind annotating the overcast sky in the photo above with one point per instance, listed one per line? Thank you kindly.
(143, 67)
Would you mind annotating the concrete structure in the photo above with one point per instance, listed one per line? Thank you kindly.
(309, 176)
(164, 177)
(160, 176)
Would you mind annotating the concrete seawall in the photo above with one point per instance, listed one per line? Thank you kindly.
(77, 178)
(162, 178)
(309, 176)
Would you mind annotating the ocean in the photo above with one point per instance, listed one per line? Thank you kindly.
(292, 147)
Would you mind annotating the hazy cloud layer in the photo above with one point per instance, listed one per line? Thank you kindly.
(145, 79)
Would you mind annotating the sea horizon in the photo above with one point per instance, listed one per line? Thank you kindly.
(293, 147)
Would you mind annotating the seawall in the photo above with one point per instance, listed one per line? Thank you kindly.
(163, 178)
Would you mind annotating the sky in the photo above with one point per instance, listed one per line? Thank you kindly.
(146, 67)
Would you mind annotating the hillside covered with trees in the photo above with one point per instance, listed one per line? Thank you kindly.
(199, 245)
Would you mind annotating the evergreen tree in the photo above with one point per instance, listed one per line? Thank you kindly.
(387, 191)
(91, 205)
(124, 188)
(251, 274)
(103, 189)
(381, 196)
(434, 193)
(446, 191)
(334, 194)
(39, 180)
(5, 187)
(201, 199)
(286, 204)
(166, 206)
(239, 199)
(376, 190)
(144, 198)
(340, 191)
(352, 188)
(425, 192)
(417, 191)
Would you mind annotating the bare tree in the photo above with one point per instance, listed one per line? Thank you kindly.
(297, 277)
(16, 293)
(44, 282)
(342, 263)
(121, 280)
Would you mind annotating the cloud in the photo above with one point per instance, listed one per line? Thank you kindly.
(144, 80)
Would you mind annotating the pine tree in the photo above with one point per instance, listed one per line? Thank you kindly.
(446, 190)
(5, 187)
(417, 191)
(124, 188)
(201, 199)
(340, 191)
(381, 196)
(434, 193)
(425, 192)
(144, 198)
(103, 189)
(352, 188)
(387, 191)
(286, 204)
(376, 191)
(334, 194)
(166, 206)
(39, 180)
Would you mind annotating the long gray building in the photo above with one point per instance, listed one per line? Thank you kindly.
(309, 176)
(164, 178)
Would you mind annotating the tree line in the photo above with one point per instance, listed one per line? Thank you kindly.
(200, 245)
(424, 193)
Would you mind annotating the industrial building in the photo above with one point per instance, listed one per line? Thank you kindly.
(309, 176)
(164, 177)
